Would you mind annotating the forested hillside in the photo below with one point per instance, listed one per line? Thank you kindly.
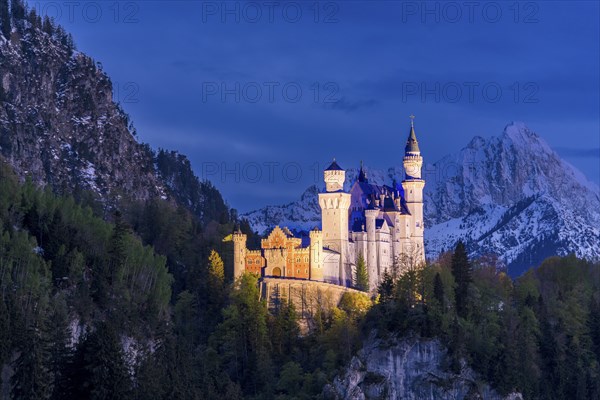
(538, 335)
(89, 311)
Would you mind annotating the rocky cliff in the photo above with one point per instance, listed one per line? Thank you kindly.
(407, 369)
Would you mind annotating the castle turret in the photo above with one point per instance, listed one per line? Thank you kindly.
(239, 253)
(334, 177)
(370, 217)
(316, 255)
(412, 155)
(413, 194)
(335, 205)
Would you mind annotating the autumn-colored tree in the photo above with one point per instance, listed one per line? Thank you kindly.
(216, 268)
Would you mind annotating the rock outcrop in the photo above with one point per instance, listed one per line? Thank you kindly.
(407, 369)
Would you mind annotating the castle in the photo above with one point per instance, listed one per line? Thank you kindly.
(384, 224)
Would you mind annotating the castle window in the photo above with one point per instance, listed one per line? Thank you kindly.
(249, 262)
(298, 271)
(298, 259)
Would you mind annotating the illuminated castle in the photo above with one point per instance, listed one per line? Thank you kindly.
(384, 224)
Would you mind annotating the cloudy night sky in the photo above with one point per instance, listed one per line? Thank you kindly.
(288, 86)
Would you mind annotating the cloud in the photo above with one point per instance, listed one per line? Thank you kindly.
(579, 152)
(193, 67)
(343, 104)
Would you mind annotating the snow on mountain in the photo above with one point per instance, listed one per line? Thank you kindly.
(509, 195)
(304, 214)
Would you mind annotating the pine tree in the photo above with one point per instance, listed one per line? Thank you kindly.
(17, 9)
(461, 269)
(59, 334)
(5, 336)
(242, 338)
(32, 378)
(291, 378)
(386, 288)
(99, 370)
(527, 339)
(151, 377)
(108, 279)
(285, 330)
(362, 274)
(438, 290)
(34, 19)
(5, 26)
(593, 323)
(456, 348)
(47, 26)
(185, 317)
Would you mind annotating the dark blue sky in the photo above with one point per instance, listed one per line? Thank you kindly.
(279, 88)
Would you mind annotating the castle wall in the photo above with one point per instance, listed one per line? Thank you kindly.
(331, 267)
(384, 252)
(254, 261)
(299, 263)
(307, 296)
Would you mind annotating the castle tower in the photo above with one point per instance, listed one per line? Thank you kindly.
(371, 259)
(316, 255)
(413, 193)
(334, 177)
(239, 253)
(335, 206)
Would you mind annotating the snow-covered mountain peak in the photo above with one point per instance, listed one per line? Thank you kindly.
(524, 139)
(477, 143)
(518, 131)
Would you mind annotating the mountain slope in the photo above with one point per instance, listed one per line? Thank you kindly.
(60, 126)
(510, 195)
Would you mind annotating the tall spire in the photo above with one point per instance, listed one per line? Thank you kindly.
(362, 175)
(412, 146)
